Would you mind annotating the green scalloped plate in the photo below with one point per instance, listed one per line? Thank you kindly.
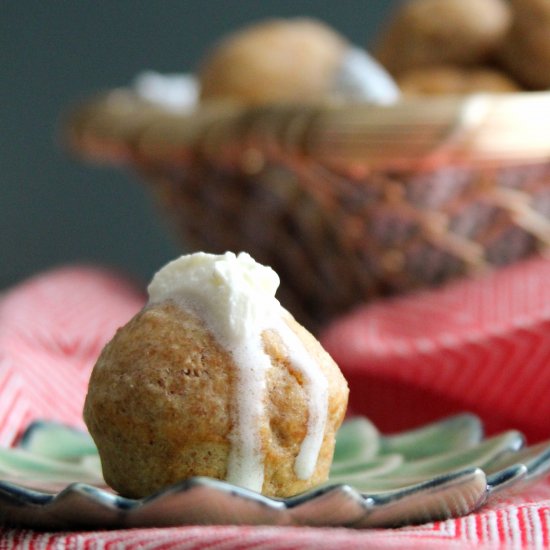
(52, 480)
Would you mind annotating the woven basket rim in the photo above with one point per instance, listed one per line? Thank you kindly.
(121, 127)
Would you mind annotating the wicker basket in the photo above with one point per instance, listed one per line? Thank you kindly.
(346, 202)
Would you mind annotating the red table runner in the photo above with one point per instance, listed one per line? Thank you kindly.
(480, 345)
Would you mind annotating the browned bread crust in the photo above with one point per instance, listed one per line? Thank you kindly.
(161, 404)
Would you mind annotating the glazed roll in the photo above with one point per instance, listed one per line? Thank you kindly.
(215, 378)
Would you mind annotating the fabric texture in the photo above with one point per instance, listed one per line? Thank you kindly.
(477, 345)
(480, 345)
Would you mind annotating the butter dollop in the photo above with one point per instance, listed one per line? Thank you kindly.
(231, 293)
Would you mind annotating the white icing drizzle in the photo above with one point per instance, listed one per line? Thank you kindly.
(235, 297)
(317, 390)
(361, 78)
(173, 92)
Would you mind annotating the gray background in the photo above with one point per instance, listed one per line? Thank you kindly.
(55, 209)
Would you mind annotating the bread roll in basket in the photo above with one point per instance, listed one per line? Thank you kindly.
(347, 202)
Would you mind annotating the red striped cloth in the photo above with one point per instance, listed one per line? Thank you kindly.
(53, 326)
(478, 345)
